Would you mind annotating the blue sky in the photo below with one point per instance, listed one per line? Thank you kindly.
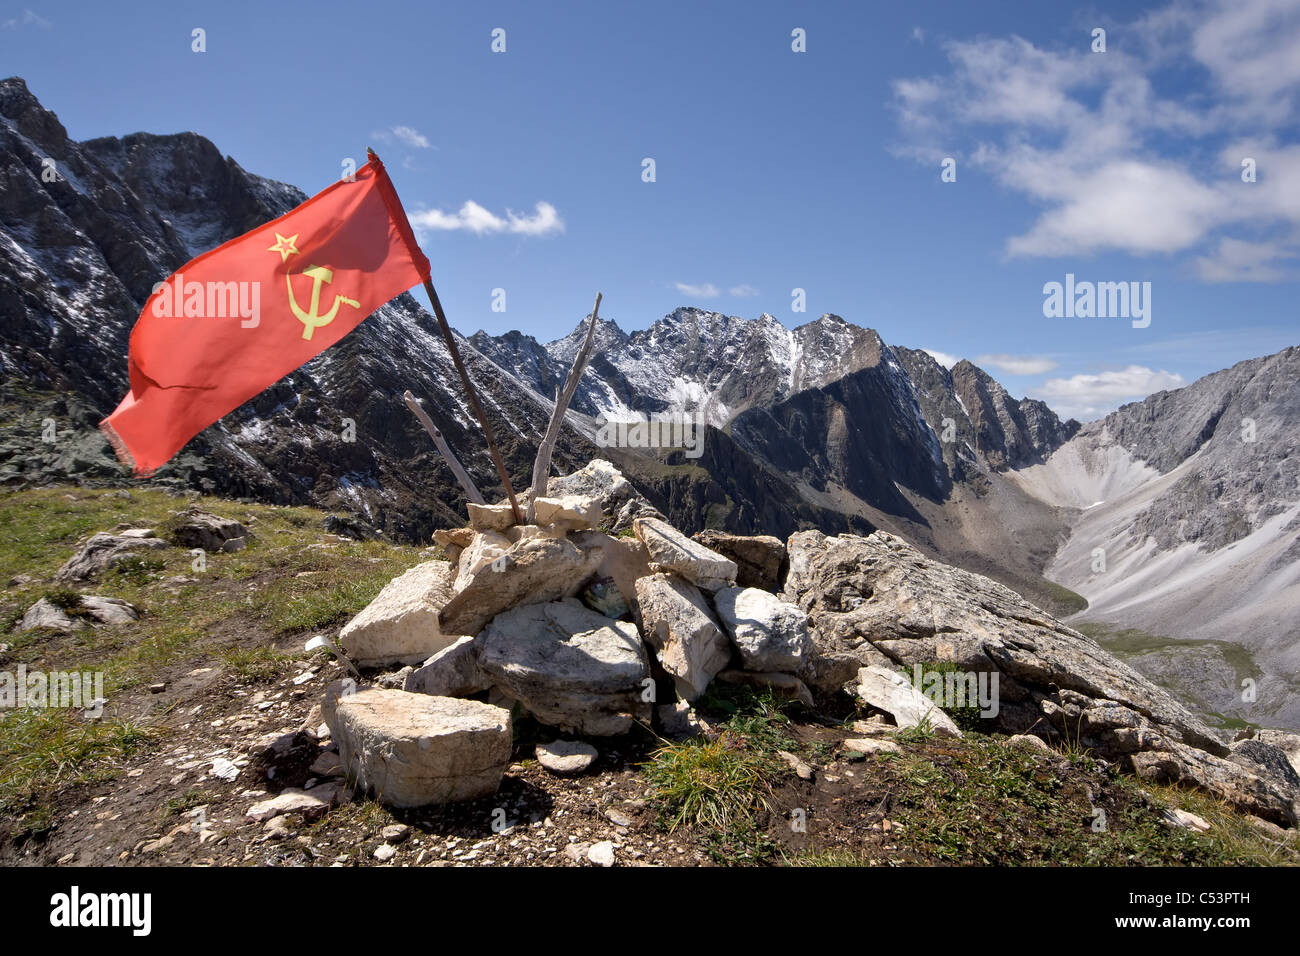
(774, 170)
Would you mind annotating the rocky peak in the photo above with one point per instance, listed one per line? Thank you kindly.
(1010, 433)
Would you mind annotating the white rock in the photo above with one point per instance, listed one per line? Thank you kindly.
(107, 610)
(676, 622)
(566, 757)
(670, 550)
(395, 833)
(483, 551)
(602, 853)
(400, 626)
(310, 805)
(411, 750)
(770, 634)
(490, 517)
(103, 610)
(45, 614)
(1186, 820)
(385, 852)
(1030, 742)
(872, 745)
(327, 765)
(801, 767)
(893, 693)
(569, 511)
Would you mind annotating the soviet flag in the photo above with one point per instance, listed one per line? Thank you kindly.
(239, 318)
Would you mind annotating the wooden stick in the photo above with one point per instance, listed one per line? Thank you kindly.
(466, 482)
(469, 389)
(473, 398)
(542, 464)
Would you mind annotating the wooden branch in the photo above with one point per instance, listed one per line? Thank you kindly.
(457, 469)
(542, 464)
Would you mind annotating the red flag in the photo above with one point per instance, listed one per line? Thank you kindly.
(239, 318)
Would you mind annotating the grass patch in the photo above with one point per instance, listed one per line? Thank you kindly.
(714, 784)
(1066, 602)
(293, 578)
(41, 749)
(978, 801)
(837, 858)
(256, 664)
(720, 787)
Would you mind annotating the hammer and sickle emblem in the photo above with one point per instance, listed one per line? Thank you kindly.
(313, 319)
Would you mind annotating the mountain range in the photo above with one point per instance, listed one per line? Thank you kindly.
(1170, 528)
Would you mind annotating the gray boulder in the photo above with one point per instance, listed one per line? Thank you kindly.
(102, 552)
(570, 667)
(452, 672)
(770, 634)
(411, 750)
(878, 597)
(93, 609)
(534, 569)
(677, 623)
(670, 550)
(200, 529)
(1260, 757)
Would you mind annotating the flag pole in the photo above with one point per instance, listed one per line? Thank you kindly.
(469, 390)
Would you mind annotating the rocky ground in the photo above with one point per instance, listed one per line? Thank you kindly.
(212, 750)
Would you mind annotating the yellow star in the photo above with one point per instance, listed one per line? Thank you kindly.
(284, 246)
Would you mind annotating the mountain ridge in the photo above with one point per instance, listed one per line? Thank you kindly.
(823, 426)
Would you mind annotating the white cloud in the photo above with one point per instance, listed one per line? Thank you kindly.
(1120, 154)
(410, 137)
(1017, 364)
(943, 358)
(1236, 260)
(28, 19)
(1250, 46)
(1087, 396)
(472, 217)
(406, 135)
(706, 291)
(918, 34)
(743, 291)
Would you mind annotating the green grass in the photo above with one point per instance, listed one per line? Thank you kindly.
(818, 858)
(43, 749)
(1132, 642)
(1066, 602)
(256, 664)
(981, 802)
(714, 784)
(292, 580)
(720, 787)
